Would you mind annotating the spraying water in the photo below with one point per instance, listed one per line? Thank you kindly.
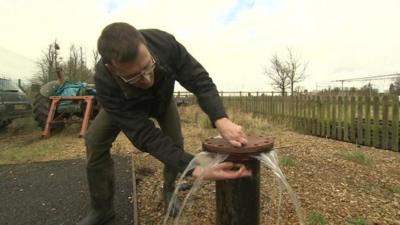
(203, 159)
(270, 159)
(208, 159)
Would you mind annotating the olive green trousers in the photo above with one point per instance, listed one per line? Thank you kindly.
(102, 133)
(99, 138)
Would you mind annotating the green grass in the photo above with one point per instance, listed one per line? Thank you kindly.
(203, 121)
(316, 218)
(394, 189)
(369, 187)
(251, 124)
(22, 142)
(287, 160)
(377, 187)
(357, 221)
(35, 148)
(20, 154)
(19, 126)
(358, 157)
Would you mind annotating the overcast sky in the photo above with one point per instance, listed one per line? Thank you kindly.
(233, 39)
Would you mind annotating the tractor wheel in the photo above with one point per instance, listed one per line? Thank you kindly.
(4, 123)
(41, 106)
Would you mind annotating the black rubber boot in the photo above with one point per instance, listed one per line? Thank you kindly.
(97, 217)
(101, 188)
(168, 190)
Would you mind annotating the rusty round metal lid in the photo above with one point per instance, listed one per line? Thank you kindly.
(255, 144)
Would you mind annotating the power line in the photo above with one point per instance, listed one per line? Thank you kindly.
(369, 78)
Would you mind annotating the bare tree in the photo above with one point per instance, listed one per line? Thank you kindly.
(96, 56)
(296, 70)
(95, 59)
(47, 65)
(285, 74)
(278, 74)
(76, 67)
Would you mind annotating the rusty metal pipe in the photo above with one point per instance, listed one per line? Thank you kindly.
(238, 201)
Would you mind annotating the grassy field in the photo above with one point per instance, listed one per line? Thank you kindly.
(336, 182)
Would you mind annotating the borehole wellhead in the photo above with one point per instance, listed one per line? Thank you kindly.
(256, 144)
(238, 200)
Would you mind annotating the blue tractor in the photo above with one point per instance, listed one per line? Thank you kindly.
(67, 111)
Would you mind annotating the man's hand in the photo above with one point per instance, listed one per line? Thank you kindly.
(222, 171)
(231, 132)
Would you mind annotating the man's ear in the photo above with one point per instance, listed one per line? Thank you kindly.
(109, 67)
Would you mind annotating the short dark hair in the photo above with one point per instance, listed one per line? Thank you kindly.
(119, 41)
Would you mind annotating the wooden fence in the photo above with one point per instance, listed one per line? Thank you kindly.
(363, 120)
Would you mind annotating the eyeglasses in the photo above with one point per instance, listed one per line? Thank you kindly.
(137, 76)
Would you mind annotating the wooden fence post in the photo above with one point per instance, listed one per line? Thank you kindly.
(385, 125)
(360, 118)
(352, 119)
(367, 124)
(319, 116)
(395, 123)
(334, 108)
(339, 120)
(328, 115)
(376, 125)
(301, 113)
(346, 120)
(323, 116)
(308, 114)
(313, 116)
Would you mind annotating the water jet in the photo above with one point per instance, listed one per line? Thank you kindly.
(238, 201)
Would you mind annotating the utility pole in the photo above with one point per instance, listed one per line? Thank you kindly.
(369, 78)
(53, 60)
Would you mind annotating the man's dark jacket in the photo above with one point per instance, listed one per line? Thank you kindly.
(131, 107)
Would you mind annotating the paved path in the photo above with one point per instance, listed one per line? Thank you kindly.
(55, 193)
